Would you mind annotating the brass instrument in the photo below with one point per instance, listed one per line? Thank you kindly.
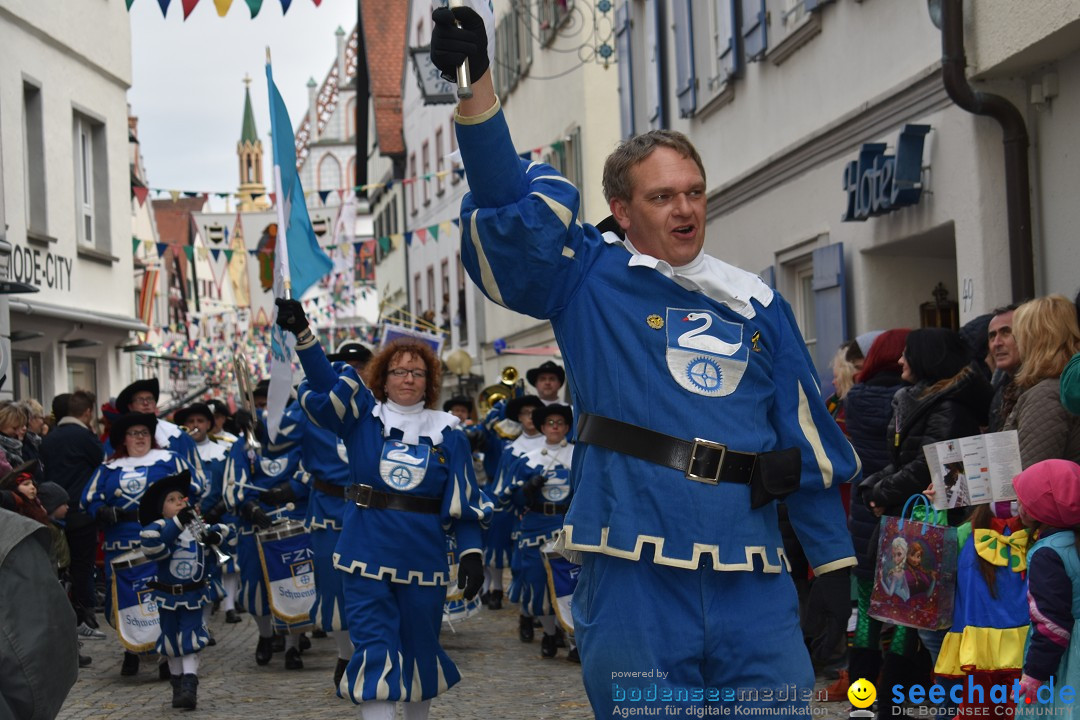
(198, 528)
(502, 390)
(247, 399)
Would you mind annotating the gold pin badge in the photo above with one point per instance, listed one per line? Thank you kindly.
(655, 322)
(754, 341)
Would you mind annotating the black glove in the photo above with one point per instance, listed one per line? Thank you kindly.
(828, 608)
(290, 316)
(533, 485)
(255, 515)
(451, 45)
(186, 515)
(278, 495)
(213, 515)
(108, 515)
(470, 574)
(211, 537)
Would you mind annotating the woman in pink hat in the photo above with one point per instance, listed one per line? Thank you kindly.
(1048, 494)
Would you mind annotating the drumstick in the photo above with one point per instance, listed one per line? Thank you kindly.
(247, 486)
(464, 82)
(287, 507)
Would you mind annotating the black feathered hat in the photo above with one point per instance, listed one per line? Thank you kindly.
(154, 497)
(180, 416)
(547, 411)
(547, 367)
(123, 400)
(122, 424)
(458, 400)
(350, 352)
(515, 406)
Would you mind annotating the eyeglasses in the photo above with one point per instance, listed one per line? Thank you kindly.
(555, 422)
(138, 433)
(402, 372)
(143, 400)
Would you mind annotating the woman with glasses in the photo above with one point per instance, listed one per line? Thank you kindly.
(537, 485)
(114, 491)
(414, 487)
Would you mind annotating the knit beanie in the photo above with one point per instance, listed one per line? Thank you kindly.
(936, 354)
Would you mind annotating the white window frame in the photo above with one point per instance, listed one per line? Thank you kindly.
(84, 181)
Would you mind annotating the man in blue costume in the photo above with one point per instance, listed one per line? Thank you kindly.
(699, 408)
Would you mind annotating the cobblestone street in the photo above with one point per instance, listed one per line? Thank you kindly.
(501, 678)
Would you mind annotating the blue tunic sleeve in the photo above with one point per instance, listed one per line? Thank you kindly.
(465, 510)
(333, 397)
(158, 538)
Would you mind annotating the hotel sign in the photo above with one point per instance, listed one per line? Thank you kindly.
(877, 183)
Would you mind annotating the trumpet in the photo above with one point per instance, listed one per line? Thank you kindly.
(198, 527)
(247, 399)
(502, 390)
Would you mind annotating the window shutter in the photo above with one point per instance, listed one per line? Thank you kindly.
(830, 305)
(726, 42)
(686, 80)
(768, 276)
(654, 83)
(754, 29)
(624, 59)
(811, 5)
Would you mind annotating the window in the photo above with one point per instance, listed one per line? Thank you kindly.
(797, 25)
(798, 286)
(27, 369)
(552, 14)
(418, 304)
(454, 177)
(462, 317)
(444, 304)
(426, 154)
(724, 44)
(440, 162)
(34, 161)
(431, 293)
(754, 29)
(625, 65)
(654, 74)
(565, 156)
(685, 72)
(412, 183)
(91, 183)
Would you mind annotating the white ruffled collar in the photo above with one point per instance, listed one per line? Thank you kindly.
(210, 450)
(154, 456)
(166, 431)
(724, 283)
(414, 421)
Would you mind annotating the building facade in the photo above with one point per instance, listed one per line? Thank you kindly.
(67, 195)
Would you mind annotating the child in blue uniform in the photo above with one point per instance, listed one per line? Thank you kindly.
(538, 486)
(172, 536)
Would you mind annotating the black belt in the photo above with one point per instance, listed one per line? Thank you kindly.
(701, 460)
(366, 496)
(549, 508)
(128, 516)
(175, 589)
(330, 489)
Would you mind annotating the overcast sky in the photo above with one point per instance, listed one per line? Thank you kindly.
(187, 81)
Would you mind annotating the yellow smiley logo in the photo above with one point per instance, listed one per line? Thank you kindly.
(862, 693)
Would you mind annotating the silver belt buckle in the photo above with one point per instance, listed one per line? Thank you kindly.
(709, 480)
(361, 495)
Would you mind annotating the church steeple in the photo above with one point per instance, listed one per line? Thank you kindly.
(252, 191)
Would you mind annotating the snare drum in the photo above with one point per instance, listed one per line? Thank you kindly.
(288, 566)
(135, 613)
(130, 559)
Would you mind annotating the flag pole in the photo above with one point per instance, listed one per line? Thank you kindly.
(281, 247)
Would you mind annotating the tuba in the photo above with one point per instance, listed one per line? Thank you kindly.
(502, 390)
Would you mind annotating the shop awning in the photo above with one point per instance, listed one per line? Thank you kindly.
(59, 312)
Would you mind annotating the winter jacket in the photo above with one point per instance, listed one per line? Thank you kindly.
(1045, 428)
(71, 453)
(1070, 385)
(958, 410)
(868, 406)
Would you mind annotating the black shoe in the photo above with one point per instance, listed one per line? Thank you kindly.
(84, 661)
(131, 664)
(339, 671)
(215, 607)
(560, 637)
(318, 633)
(494, 601)
(189, 688)
(176, 694)
(525, 628)
(278, 643)
(573, 656)
(536, 623)
(548, 646)
(163, 670)
(292, 660)
(305, 643)
(264, 651)
(485, 597)
(231, 617)
(211, 642)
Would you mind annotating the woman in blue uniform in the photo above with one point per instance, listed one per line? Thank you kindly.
(413, 484)
(115, 489)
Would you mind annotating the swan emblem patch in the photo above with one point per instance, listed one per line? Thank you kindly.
(402, 466)
(705, 353)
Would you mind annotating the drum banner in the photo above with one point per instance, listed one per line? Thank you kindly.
(135, 613)
(562, 581)
(289, 573)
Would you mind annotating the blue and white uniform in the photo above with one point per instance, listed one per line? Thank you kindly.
(212, 455)
(170, 436)
(504, 533)
(537, 527)
(326, 461)
(268, 471)
(395, 561)
(716, 354)
(121, 483)
(181, 560)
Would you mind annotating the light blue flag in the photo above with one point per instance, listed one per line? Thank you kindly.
(307, 261)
